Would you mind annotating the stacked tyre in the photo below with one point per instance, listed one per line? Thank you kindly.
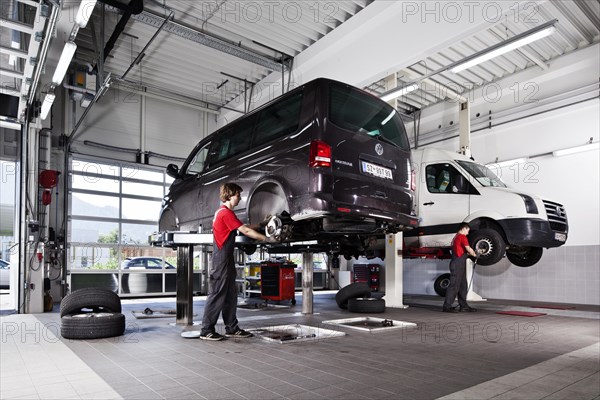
(356, 297)
(91, 313)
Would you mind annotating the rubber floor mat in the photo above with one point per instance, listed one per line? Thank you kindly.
(521, 313)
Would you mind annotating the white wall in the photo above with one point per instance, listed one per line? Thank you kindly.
(571, 273)
(124, 119)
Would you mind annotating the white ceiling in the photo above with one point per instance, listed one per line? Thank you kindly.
(578, 27)
(250, 40)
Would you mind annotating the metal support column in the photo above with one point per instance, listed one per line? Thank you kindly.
(393, 271)
(185, 285)
(464, 124)
(307, 282)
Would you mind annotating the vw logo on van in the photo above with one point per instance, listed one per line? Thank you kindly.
(379, 149)
(559, 211)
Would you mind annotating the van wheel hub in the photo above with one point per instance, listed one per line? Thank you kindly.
(484, 246)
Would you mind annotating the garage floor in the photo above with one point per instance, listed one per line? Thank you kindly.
(454, 356)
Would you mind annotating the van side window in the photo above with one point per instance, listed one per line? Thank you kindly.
(197, 164)
(279, 119)
(444, 178)
(231, 141)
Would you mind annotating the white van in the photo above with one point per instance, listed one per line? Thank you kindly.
(452, 188)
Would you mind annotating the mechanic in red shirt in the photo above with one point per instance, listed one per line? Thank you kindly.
(222, 290)
(458, 271)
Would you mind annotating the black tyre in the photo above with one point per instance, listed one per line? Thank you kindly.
(352, 291)
(489, 243)
(525, 257)
(366, 305)
(441, 284)
(95, 299)
(92, 325)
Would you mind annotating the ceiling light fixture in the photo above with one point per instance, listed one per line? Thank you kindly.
(63, 62)
(507, 163)
(397, 92)
(578, 149)
(508, 45)
(84, 12)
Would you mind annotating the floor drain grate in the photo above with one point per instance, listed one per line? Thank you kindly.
(371, 324)
(294, 333)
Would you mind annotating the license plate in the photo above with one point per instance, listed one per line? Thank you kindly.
(561, 237)
(377, 170)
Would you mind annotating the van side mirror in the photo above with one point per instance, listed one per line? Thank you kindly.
(173, 171)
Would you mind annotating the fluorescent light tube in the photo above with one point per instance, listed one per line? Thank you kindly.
(47, 105)
(399, 92)
(578, 149)
(63, 62)
(86, 8)
(509, 46)
(507, 163)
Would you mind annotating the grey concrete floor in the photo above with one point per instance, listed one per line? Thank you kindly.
(454, 356)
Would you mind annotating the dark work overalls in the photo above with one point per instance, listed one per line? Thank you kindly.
(458, 281)
(222, 290)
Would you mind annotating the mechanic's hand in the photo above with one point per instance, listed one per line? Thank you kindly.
(272, 239)
(264, 222)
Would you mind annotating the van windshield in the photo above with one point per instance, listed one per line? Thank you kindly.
(356, 111)
(482, 174)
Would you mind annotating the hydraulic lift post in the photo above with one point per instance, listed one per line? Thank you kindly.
(185, 285)
(184, 242)
(307, 282)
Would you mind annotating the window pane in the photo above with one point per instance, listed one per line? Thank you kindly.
(137, 234)
(140, 283)
(232, 141)
(93, 256)
(93, 183)
(89, 167)
(94, 232)
(197, 164)
(278, 120)
(94, 205)
(143, 189)
(143, 174)
(144, 210)
(359, 112)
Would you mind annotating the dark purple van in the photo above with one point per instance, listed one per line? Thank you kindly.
(331, 160)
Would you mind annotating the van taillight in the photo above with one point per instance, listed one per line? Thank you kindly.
(413, 180)
(320, 154)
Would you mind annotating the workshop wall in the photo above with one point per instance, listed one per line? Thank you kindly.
(566, 274)
(131, 122)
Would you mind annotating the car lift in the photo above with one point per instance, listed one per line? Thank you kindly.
(184, 242)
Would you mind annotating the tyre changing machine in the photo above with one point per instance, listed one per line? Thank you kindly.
(185, 242)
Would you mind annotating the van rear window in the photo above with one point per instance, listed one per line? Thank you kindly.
(356, 111)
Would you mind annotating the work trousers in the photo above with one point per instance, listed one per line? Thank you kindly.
(222, 290)
(458, 282)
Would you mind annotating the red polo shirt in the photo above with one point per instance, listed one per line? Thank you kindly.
(458, 244)
(224, 222)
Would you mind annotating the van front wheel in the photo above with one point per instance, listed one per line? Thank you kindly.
(525, 256)
(490, 245)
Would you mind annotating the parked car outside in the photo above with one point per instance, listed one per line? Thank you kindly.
(145, 263)
(332, 161)
(4, 274)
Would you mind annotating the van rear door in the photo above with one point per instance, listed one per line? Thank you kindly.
(370, 152)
